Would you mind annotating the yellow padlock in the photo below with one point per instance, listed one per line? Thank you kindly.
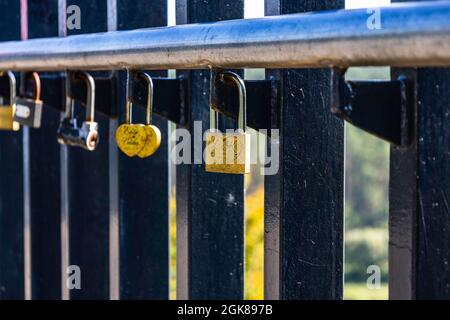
(7, 109)
(229, 152)
(130, 138)
(138, 139)
(153, 133)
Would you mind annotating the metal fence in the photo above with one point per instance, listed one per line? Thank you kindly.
(109, 214)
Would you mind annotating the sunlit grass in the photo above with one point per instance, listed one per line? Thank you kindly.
(359, 291)
(254, 246)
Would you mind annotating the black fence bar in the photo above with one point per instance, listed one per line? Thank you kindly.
(419, 248)
(433, 186)
(11, 183)
(144, 184)
(403, 205)
(304, 201)
(89, 185)
(210, 207)
(44, 173)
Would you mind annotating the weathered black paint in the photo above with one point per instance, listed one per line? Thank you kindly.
(137, 14)
(42, 19)
(88, 189)
(104, 82)
(382, 108)
(304, 201)
(170, 98)
(51, 93)
(144, 183)
(419, 221)
(94, 16)
(418, 194)
(433, 184)
(261, 99)
(210, 207)
(11, 183)
(44, 170)
(105, 99)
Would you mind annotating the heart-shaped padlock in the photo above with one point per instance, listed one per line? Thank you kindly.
(131, 138)
(138, 139)
(153, 141)
(153, 133)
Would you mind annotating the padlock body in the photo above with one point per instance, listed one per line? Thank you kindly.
(227, 153)
(28, 112)
(152, 143)
(7, 118)
(86, 136)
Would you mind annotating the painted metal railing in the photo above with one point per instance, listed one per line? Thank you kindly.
(412, 34)
(109, 214)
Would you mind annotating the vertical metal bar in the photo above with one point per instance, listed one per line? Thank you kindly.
(64, 174)
(112, 15)
(42, 177)
(26, 174)
(403, 206)
(27, 242)
(11, 183)
(144, 185)
(419, 192)
(304, 200)
(210, 207)
(114, 226)
(114, 253)
(433, 185)
(89, 184)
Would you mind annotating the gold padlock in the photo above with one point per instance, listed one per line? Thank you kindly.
(229, 152)
(7, 110)
(153, 133)
(138, 139)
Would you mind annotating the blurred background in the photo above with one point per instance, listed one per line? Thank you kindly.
(366, 196)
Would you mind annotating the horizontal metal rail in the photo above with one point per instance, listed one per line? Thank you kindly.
(411, 34)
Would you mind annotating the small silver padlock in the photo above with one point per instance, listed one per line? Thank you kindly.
(29, 108)
(69, 132)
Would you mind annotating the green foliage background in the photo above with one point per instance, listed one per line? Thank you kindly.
(366, 203)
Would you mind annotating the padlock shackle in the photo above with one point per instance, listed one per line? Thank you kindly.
(128, 103)
(131, 77)
(73, 76)
(226, 76)
(36, 81)
(149, 106)
(242, 117)
(12, 85)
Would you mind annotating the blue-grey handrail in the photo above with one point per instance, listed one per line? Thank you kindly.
(410, 34)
